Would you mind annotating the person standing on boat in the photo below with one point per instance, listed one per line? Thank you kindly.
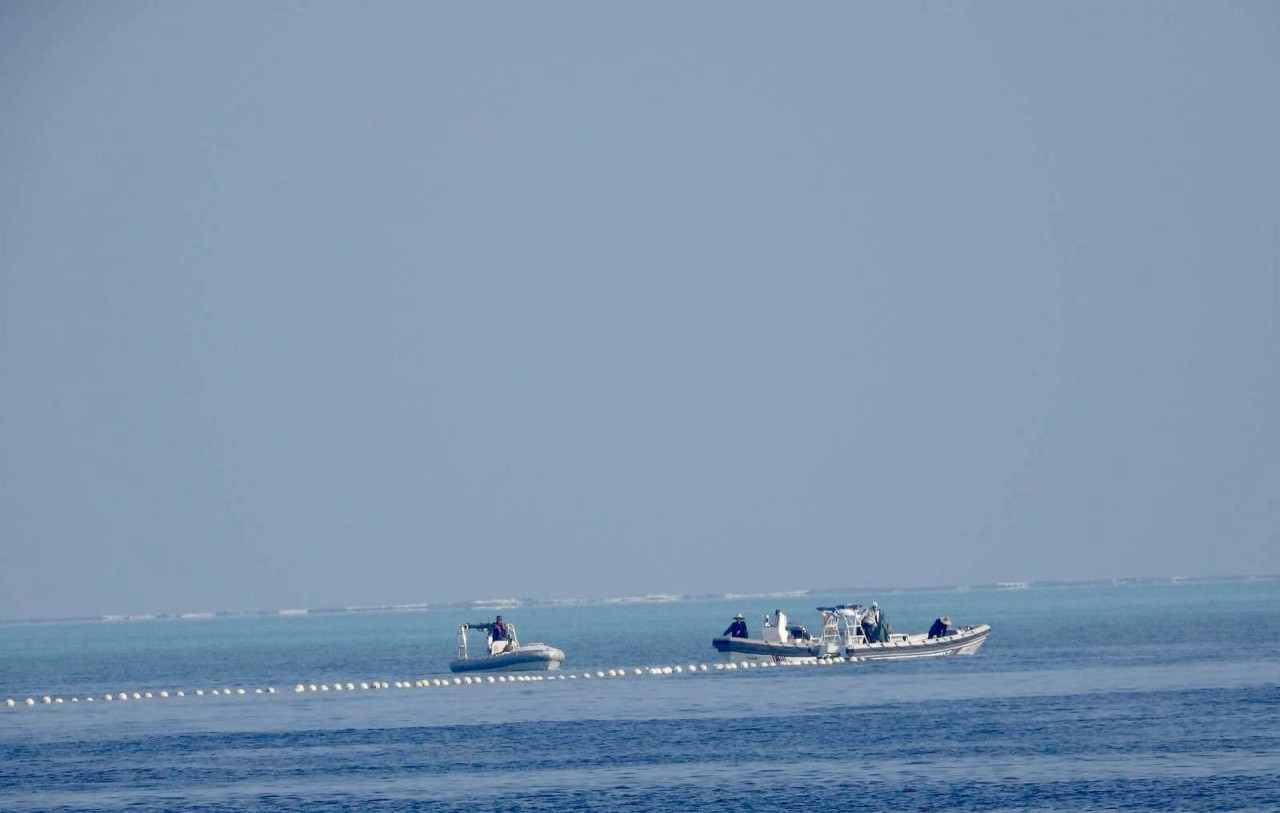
(738, 629)
(870, 619)
(939, 627)
(499, 630)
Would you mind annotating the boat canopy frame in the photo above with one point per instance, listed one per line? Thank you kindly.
(512, 638)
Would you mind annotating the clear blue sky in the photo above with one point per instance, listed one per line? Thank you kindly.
(316, 304)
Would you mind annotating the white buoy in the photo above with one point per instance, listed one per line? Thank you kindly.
(107, 697)
(257, 691)
(9, 703)
(299, 688)
(163, 693)
(179, 693)
(271, 690)
(364, 685)
(88, 700)
(240, 691)
(199, 692)
(57, 700)
(678, 670)
(147, 695)
(30, 702)
(75, 700)
(491, 679)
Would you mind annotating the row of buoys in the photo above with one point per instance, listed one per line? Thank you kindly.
(426, 683)
(125, 696)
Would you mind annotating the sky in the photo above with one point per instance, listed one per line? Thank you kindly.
(328, 304)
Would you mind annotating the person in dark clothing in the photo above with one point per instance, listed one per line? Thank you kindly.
(499, 630)
(738, 629)
(939, 627)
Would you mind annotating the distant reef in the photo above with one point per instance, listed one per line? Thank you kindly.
(493, 604)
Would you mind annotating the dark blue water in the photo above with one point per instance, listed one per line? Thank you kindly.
(1152, 698)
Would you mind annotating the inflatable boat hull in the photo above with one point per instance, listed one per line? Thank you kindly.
(530, 658)
(956, 642)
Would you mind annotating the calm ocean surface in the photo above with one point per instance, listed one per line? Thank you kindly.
(1124, 698)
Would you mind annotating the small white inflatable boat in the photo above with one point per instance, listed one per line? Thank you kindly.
(505, 653)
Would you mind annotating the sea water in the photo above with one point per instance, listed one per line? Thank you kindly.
(1156, 697)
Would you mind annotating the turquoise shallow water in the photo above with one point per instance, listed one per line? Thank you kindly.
(1153, 697)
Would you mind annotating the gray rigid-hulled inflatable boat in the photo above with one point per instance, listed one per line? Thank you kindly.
(844, 635)
(506, 654)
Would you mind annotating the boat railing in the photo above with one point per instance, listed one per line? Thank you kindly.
(462, 642)
(511, 641)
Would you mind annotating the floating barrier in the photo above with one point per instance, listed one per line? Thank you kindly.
(424, 683)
